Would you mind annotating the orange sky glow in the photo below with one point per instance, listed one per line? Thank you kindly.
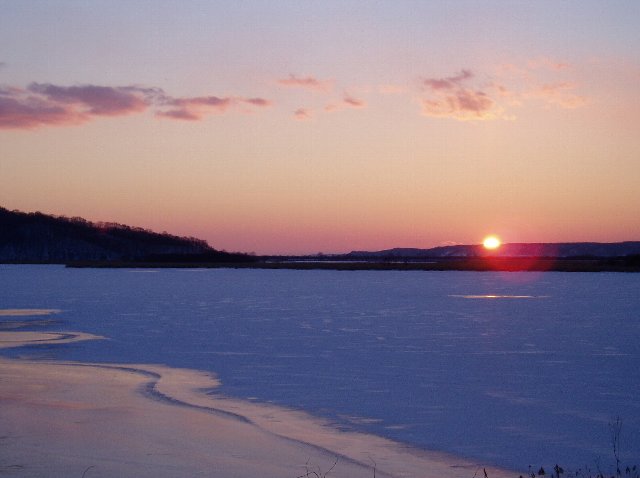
(305, 127)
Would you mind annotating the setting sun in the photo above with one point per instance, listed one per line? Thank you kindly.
(491, 242)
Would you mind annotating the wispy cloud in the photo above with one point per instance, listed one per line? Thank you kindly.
(2, 65)
(462, 105)
(464, 96)
(456, 97)
(302, 114)
(347, 102)
(94, 100)
(530, 69)
(558, 94)
(32, 112)
(196, 108)
(542, 79)
(449, 83)
(45, 104)
(325, 86)
(10, 90)
(260, 102)
(307, 82)
(352, 102)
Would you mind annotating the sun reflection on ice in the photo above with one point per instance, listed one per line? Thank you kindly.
(498, 296)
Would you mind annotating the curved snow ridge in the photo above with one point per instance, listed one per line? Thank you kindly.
(27, 312)
(15, 339)
(197, 390)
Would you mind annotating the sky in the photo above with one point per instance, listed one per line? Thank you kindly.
(289, 127)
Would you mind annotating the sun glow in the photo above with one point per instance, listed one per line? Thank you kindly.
(491, 242)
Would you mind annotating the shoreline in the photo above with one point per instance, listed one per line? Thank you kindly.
(152, 420)
(480, 264)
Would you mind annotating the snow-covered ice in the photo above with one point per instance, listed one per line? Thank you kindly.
(511, 368)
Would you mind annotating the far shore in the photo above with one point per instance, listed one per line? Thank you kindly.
(105, 420)
(479, 264)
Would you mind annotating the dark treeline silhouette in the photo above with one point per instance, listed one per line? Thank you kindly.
(41, 238)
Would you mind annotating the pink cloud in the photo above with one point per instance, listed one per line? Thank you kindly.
(184, 114)
(346, 102)
(302, 114)
(502, 89)
(549, 87)
(462, 105)
(453, 97)
(45, 104)
(353, 102)
(506, 95)
(529, 69)
(463, 97)
(11, 91)
(558, 94)
(448, 83)
(94, 100)
(476, 102)
(31, 112)
(261, 102)
(543, 79)
(196, 108)
(307, 82)
(50, 105)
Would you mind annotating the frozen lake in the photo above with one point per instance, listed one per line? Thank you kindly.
(510, 368)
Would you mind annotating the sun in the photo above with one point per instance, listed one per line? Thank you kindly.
(491, 242)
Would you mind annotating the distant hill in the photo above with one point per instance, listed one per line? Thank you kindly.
(40, 238)
(557, 250)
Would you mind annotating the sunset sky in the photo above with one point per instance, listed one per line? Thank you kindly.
(326, 126)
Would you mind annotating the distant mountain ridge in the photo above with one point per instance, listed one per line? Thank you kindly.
(42, 238)
(560, 250)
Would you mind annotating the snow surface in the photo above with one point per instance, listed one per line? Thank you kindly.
(510, 368)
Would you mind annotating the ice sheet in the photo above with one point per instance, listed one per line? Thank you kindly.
(531, 373)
